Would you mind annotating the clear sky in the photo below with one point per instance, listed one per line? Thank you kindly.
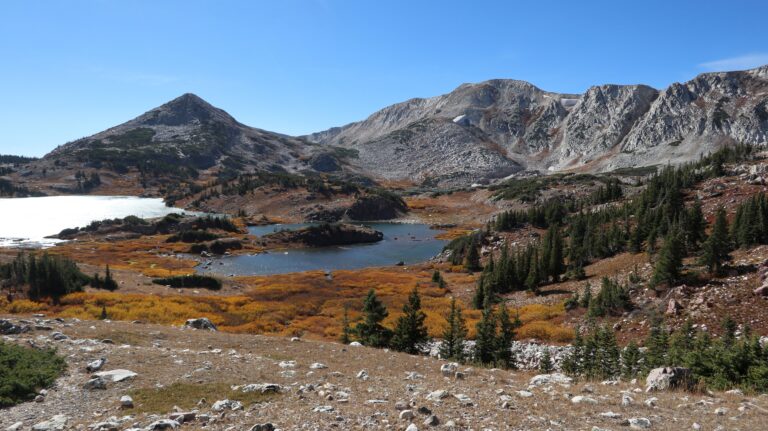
(71, 68)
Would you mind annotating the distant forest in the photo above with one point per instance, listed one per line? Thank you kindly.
(7, 158)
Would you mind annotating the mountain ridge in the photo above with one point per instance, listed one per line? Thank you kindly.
(607, 127)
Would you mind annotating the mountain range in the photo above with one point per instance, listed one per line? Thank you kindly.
(478, 132)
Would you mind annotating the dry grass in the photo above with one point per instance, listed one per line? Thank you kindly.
(186, 396)
(303, 304)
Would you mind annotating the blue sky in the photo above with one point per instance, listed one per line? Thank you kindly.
(73, 68)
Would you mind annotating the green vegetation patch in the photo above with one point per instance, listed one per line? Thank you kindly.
(187, 395)
(24, 371)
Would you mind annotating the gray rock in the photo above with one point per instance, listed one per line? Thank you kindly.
(432, 421)
(95, 383)
(664, 378)
(263, 427)
(407, 415)
(95, 365)
(56, 423)
(116, 375)
(263, 388)
(163, 424)
(639, 423)
(126, 402)
(200, 323)
(15, 427)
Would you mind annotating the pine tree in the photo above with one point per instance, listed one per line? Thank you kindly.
(631, 358)
(694, 226)
(109, 282)
(454, 335)
(670, 260)
(472, 260)
(554, 263)
(370, 331)
(504, 355)
(478, 299)
(104, 315)
(716, 248)
(572, 364)
(657, 344)
(410, 333)
(545, 363)
(346, 331)
(586, 296)
(485, 338)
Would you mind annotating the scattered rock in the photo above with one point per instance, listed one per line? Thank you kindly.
(56, 423)
(581, 399)
(263, 427)
(8, 328)
(126, 402)
(407, 415)
(547, 379)
(163, 424)
(437, 395)
(222, 405)
(432, 421)
(449, 369)
(95, 383)
(264, 388)
(639, 423)
(95, 365)
(318, 366)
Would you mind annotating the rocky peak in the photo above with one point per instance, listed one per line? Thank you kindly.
(185, 109)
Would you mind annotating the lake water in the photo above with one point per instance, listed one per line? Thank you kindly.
(409, 243)
(25, 222)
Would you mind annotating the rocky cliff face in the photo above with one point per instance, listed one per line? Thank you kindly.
(494, 128)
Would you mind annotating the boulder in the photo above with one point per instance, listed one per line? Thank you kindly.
(8, 328)
(221, 405)
(664, 378)
(163, 424)
(437, 395)
(95, 383)
(200, 323)
(547, 379)
(639, 423)
(116, 375)
(263, 427)
(126, 402)
(761, 291)
(262, 388)
(56, 423)
(673, 307)
(95, 365)
(449, 369)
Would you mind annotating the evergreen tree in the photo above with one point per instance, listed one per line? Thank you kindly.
(410, 333)
(109, 282)
(472, 260)
(454, 335)
(504, 355)
(716, 249)
(586, 296)
(485, 338)
(670, 260)
(346, 330)
(370, 331)
(104, 315)
(545, 363)
(657, 344)
(631, 359)
(694, 225)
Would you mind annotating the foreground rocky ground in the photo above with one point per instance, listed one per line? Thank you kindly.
(184, 377)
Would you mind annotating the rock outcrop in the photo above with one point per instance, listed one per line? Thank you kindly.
(326, 234)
